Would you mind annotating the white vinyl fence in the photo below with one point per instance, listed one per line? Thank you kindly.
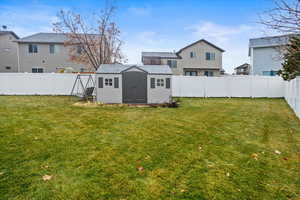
(292, 94)
(182, 86)
(36, 83)
(228, 86)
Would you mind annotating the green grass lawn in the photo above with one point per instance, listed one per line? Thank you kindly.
(206, 149)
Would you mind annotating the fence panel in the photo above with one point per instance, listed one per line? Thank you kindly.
(36, 84)
(292, 94)
(228, 86)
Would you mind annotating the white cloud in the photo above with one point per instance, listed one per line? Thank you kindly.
(145, 41)
(233, 39)
(217, 32)
(28, 20)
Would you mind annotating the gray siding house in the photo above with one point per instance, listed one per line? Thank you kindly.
(200, 58)
(266, 54)
(243, 69)
(8, 52)
(146, 84)
(45, 52)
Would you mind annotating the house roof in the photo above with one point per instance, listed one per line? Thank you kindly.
(44, 38)
(160, 54)
(245, 65)
(202, 40)
(9, 32)
(119, 68)
(270, 41)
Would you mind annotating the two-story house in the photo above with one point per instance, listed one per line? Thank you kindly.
(8, 52)
(200, 58)
(266, 54)
(243, 69)
(45, 52)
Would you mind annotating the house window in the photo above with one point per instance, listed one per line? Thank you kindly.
(209, 73)
(8, 68)
(160, 82)
(172, 63)
(32, 48)
(53, 48)
(190, 73)
(192, 54)
(79, 49)
(108, 82)
(270, 73)
(37, 70)
(81, 69)
(210, 56)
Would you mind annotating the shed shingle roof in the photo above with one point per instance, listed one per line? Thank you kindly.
(118, 68)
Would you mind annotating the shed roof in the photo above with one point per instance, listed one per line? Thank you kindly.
(119, 68)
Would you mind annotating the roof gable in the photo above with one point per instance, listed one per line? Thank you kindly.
(134, 68)
(44, 38)
(199, 41)
(9, 32)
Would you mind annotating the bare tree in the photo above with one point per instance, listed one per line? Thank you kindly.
(89, 43)
(284, 17)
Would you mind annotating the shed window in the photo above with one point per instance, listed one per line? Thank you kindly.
(108, 82)
(100, 82)
(116, 82)
(152, 82)
(160, 82)
(168, 83)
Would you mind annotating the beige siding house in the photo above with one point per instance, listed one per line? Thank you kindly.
(45, 52)
(8, 52)
(200, 58)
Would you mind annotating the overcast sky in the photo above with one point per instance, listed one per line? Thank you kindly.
(154, 25)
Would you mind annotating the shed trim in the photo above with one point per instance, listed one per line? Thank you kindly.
(132, 68)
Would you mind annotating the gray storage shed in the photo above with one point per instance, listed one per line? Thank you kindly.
(145, 84)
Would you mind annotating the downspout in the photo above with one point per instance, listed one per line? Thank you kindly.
(18, 57)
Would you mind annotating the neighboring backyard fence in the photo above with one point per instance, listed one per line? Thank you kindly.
(228, 86)
(36, 83)
(182, 86)
(292, 94)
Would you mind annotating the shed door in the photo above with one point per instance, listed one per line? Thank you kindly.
(134, 87)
